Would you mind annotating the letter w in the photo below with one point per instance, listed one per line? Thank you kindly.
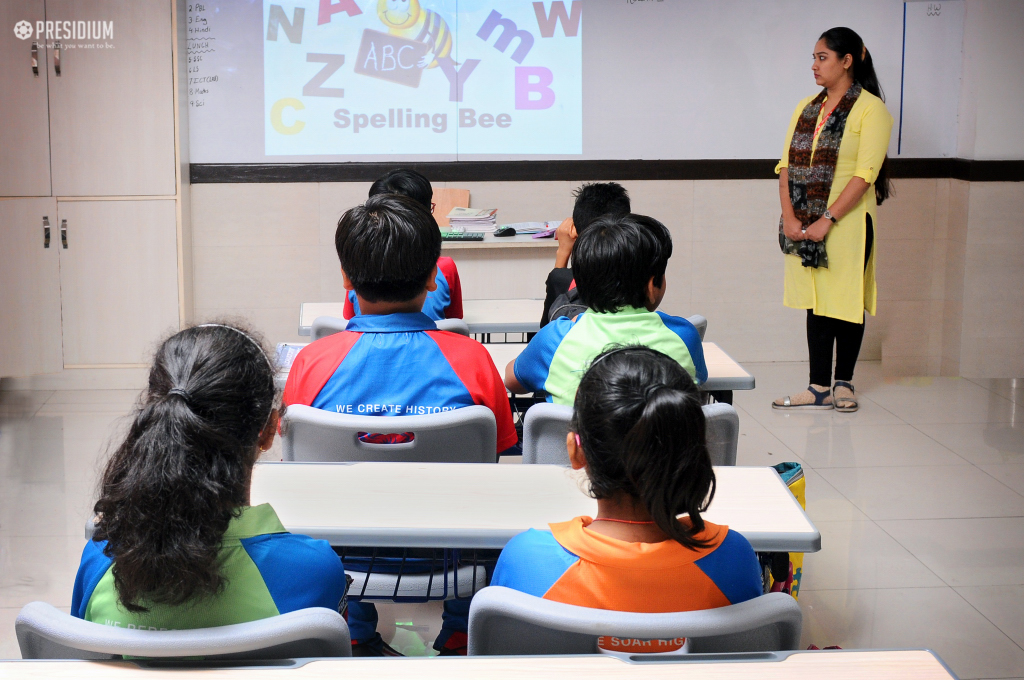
(334, 62)
(292, 29)
(509, 30)
(570, 21)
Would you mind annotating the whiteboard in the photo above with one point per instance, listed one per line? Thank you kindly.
(656, 79)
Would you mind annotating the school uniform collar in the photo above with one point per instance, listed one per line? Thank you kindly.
(404, 322)
(625, 311)
(254, 520)
(600, 549)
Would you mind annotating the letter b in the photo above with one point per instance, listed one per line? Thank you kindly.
(534, 80)
(467, 117)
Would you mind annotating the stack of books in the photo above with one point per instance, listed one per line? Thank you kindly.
(473, 219)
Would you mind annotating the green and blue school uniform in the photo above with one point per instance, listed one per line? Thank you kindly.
(557, 357)
(267, 571)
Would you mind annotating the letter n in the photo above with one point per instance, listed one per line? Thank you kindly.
(293, 29)
(570, 20)
(328, 9)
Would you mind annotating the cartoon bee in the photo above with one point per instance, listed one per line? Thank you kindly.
(407, 19)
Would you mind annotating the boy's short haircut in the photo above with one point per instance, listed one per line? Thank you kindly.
(615, 258)
(597, 199)
(407, 183)
(388, 247)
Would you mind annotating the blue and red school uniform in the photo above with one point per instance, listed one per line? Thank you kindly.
(443, 303)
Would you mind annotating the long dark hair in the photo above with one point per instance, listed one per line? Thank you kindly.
(171, 488)
(642, 430)
(843, 41)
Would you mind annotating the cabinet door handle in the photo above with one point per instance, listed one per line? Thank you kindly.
(35, 59)
(46, 231)
(56, 58)
(64, 234)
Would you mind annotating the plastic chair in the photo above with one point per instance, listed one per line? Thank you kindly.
(45, 632)
(464, 435)
(700, 323)
(509, 622)
(546, 426)
(329, 325)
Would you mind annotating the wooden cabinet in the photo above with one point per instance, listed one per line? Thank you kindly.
(102, 124)
(118, 279)
(112, 109)
(24, 119)
(30, 323)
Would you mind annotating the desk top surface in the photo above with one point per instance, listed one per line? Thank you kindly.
(480, 505)
(518, 315)
(849, 664)
(492, 242)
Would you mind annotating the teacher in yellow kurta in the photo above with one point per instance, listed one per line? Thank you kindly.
(832, 177)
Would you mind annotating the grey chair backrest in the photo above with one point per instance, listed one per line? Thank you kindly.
(700, 323)
(506, 621)
(329, 325)
(45, 632)
(546, 426)
(326, 325)
(544, 431)
(464, 435)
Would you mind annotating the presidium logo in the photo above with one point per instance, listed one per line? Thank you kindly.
(67, 30)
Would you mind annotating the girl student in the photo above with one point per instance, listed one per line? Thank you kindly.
(639, 433)
(177, 543)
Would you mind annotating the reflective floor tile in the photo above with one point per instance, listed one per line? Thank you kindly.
(966, 552)
(861, 555)
(38, 568)
(1010, 388)
(1002, 605)
(924, 492)
(824, 503)
(758, 446)
(980, 443)
(21, 404)
(1012, 475)
(934, 618)
(845, 444)
(965, 405)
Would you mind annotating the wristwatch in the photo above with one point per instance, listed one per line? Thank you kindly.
(829, 216)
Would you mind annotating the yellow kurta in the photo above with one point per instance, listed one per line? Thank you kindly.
(846, 289)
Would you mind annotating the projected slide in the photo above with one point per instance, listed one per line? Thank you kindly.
(422, 77)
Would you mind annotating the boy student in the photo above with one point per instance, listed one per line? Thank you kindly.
(446, 301)
(392, 361)
(619, 266)
(592, 201)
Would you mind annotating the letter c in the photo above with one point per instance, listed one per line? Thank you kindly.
(275, 116)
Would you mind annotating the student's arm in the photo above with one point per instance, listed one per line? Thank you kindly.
(511, 382)
(529, 371)
(451, 275)
(566, 235)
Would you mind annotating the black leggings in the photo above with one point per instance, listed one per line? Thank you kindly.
(823, 332)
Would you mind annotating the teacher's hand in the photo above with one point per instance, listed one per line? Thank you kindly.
(793, 229)
(818, 230)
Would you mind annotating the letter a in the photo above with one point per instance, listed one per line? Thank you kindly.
(328, 9)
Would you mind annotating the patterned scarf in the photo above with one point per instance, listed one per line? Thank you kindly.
(810, 178)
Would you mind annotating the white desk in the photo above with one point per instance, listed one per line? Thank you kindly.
(491, 242)
(482, 316)
(724, 374)
(853, 664)
(464, 505)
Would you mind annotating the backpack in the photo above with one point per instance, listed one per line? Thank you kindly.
(567, 304)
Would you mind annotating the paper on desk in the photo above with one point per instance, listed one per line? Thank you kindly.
(286, 353)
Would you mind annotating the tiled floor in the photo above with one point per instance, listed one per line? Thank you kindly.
(919, 498)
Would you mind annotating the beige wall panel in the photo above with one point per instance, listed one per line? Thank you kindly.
(910, 212)
(228, 215)
(521, 201)
(335, 199)
(905, 270)
(501, 274)
(119, 279)
(736, 210)
(332, 288)
(255, 276)
(276, 324)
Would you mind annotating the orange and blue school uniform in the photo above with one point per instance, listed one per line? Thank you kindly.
(574, 565)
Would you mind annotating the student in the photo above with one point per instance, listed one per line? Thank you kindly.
(177, 544)
(391, 360)
(639, 432)
(619, 265)
(592, 201)
(446, 301)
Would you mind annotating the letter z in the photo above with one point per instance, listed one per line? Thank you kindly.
(313, 87)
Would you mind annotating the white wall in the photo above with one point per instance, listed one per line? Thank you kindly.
(991, 121)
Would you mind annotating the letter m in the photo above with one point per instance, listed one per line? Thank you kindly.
(292, 29)
(509, 30)
(570, 20)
